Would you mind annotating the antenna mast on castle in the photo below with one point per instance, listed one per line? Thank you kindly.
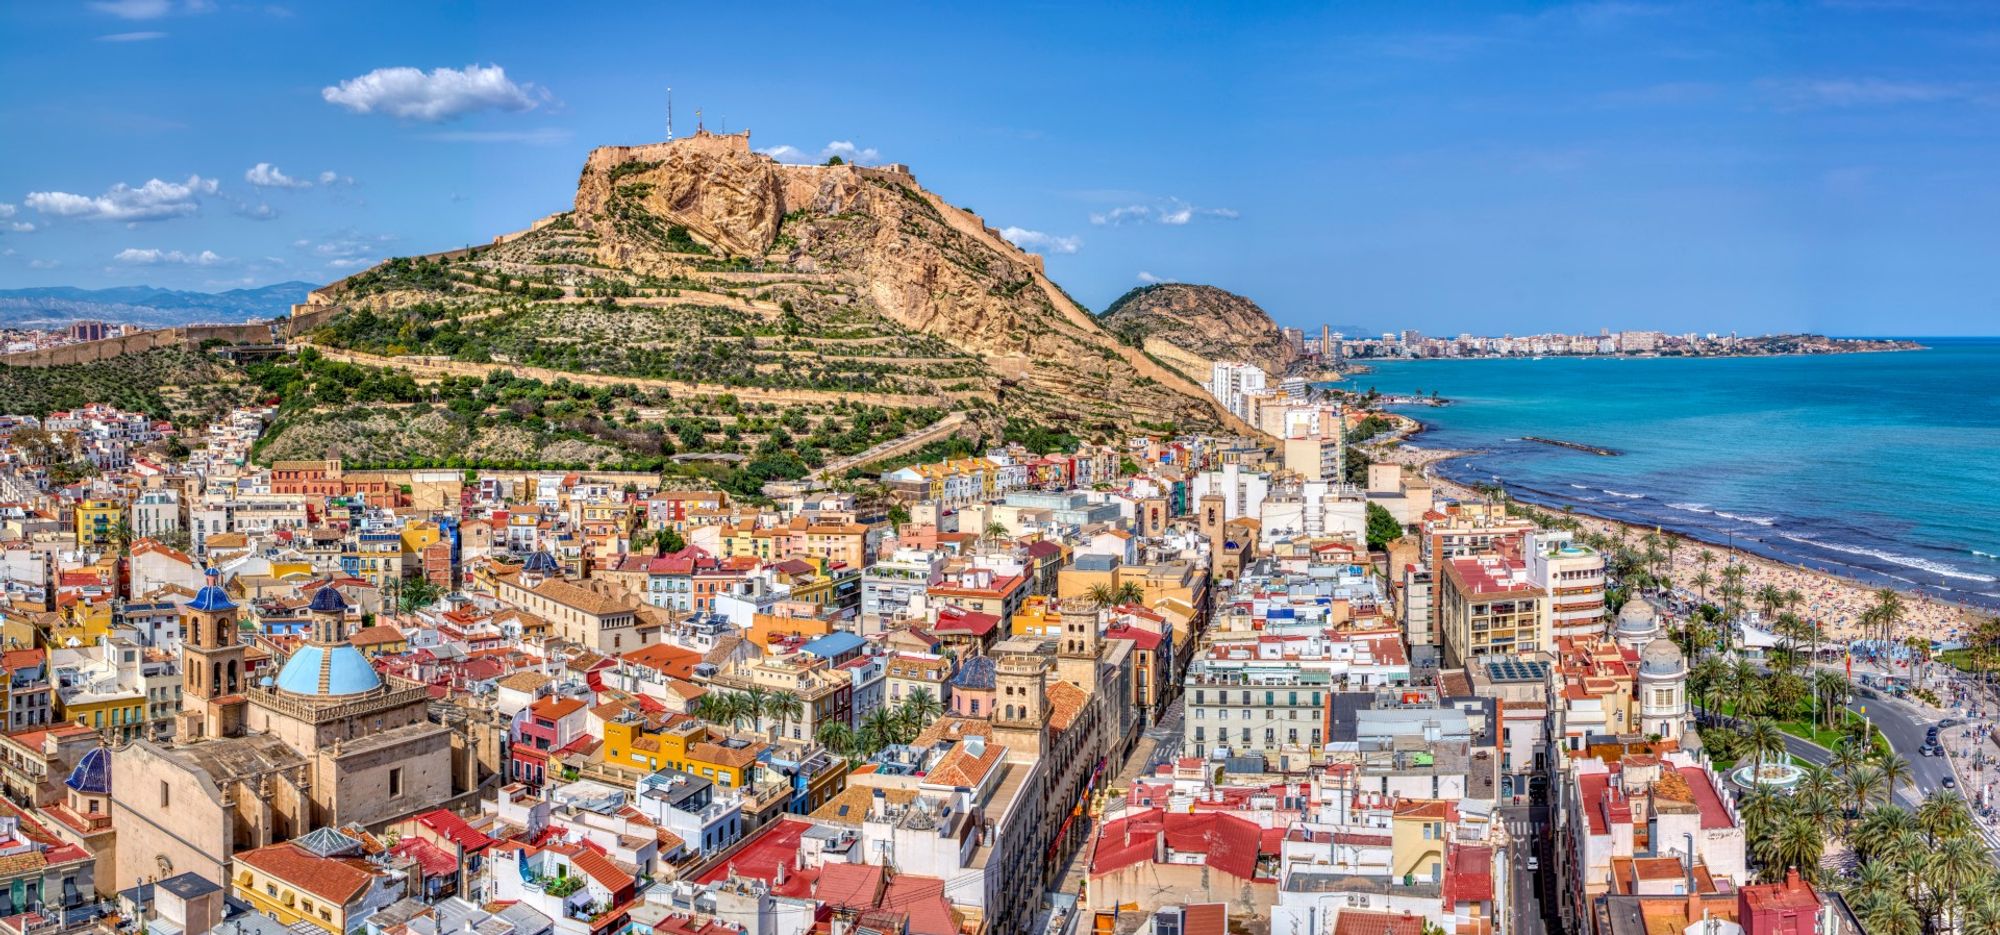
(670, 113)
(697, 121)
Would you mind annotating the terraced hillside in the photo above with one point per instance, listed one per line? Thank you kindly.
(697, 269)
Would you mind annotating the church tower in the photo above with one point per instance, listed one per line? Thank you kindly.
(1020, 706)
(1076, 662)
(1212, 519)
(328, 613)
(212, 666)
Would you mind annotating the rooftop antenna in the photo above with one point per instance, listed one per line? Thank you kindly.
(670, 113)
(697, 121)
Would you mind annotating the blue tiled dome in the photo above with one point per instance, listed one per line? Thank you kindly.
(327, 600)
(340, 668)
(542, 563)
(92, 774)
(978, 672)
(211, 598)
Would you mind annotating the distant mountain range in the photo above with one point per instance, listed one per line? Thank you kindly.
(151, 306)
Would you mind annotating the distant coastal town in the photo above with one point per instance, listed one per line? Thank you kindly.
(1335, 347)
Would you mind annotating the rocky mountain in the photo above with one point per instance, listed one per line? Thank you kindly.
(150, 306)
(1203, 322)
(699, 267)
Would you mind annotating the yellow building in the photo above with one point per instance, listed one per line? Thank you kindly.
(97, 522)
(1418, 833)
(319, 879)
(632, 741)
(119, 715)
(83, 620)
(417, 537)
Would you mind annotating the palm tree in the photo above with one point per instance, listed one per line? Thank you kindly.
(756, 703)
(1761, 808)
(837, 737)
(923, 706)
(1764, 739)
(1864, 783)
(1799, 843)
(1702, 579)
(1878, 831)
(784, 707)
(1768, 597)
(878, 729)
(1707, 679)
(1832, 688)
(1943, 817)
(1895, 771)
(1888, 611)
(1846, 757)
(1751, 698)
(1113, 595)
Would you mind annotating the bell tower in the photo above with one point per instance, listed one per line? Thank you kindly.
(328, 612)
(212, 672)
(1020, 706)
(1076, 662)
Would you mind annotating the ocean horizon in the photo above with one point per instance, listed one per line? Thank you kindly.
(1883, 467)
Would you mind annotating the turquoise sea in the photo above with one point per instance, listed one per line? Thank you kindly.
(1881, 466)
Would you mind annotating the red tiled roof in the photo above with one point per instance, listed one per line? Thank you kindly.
(325, 877)
(1364, 922)
(1468, 875)
(602, 870)
(1226, 842)
(774, 844)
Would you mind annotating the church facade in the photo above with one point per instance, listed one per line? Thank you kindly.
(326, 742)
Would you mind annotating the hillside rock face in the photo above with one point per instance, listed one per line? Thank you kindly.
(712, 185)
(1204, 321)
(869, 238)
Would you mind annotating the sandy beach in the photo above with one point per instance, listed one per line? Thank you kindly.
(1837, 603)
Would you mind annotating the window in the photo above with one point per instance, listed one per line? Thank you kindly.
(395, 781)
(164, 797)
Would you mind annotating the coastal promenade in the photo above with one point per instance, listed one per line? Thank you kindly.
(1836, 603)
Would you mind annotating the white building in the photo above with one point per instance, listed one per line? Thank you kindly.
(1232, 384)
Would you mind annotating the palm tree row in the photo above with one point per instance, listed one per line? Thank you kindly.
(763, 710)
(883, 726)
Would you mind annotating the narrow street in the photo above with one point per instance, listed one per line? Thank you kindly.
(1531, 910)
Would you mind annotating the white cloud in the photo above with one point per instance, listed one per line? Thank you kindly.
(1173, 212)
(134, 9)
(156, 200)
(20, 227)
(544, 136)
(845, 149)
(131, 36)
(1039, 242)
(266, 175)
(1862, 92)
(849, 152)
(1149, 278)
(44, 264)
(7, 210)
(156, 257)
(330, 177)
(350, 262)
(261, 211)
(150, 9)
(435, 96)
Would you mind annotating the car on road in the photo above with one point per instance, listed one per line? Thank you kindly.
(1948, 782)
(1534, 863)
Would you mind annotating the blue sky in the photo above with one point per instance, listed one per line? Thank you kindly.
(1447, 167)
